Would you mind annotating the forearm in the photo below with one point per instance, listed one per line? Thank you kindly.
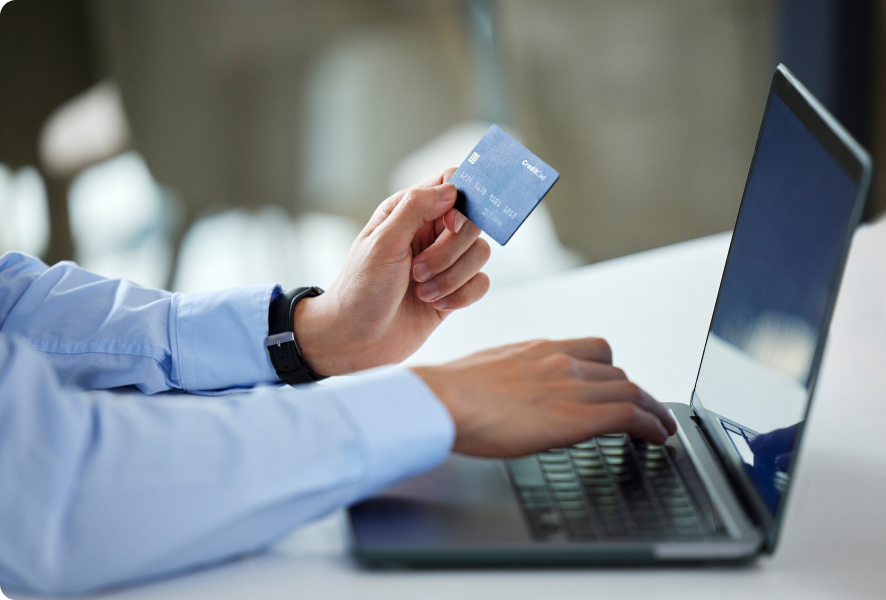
(100, 333)
(101, 488)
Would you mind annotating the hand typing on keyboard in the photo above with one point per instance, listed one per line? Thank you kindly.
(520, 399)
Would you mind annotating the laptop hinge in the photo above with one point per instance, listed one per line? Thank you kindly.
(751, 507)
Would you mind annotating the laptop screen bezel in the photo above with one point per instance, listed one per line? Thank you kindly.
(857, 163)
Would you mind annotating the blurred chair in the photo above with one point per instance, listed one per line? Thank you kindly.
(86, 130)
(45, 59)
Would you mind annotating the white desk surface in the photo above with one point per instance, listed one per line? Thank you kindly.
(654, 308)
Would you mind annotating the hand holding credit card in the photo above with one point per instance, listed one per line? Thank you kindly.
(500, 183)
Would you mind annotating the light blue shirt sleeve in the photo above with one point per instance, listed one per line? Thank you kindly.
(103, 333)
(105, 487)
(101, 488)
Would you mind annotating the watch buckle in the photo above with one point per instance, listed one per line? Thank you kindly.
(279, 339)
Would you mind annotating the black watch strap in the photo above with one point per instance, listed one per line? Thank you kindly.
(282, 346)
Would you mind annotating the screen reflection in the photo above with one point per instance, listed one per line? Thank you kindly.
(756, 371)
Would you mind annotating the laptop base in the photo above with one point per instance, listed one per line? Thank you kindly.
(468, 512)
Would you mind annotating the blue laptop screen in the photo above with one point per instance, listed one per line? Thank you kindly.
(757, 369)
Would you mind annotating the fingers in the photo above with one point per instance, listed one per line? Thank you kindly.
(454, 221)
(627, 392)
(387, 207)
(447, 174)
(587, 361)
(520, 399)
(626, 418)
(435, 180)
(596, 349)
(600, 383)
(466, 295)
(466, 266)
(443, 253)
(593, 349)
(400, 217)
(590, 370)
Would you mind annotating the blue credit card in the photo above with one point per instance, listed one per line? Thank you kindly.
(500, 183)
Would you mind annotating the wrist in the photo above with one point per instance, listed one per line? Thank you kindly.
(441, 385)
(328, 344)
(313, 327)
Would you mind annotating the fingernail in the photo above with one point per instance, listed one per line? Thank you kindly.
(460, 220)
(441, 304)
(446, 192)
(428, 291)
(421, 272)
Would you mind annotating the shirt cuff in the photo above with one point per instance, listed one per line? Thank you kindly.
(405, 429)
(217, 338)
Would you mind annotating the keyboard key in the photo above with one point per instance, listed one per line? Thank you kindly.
(570, 476)
(681, 510)
(590, 472)
(552, 458)
(526, 472)
(568, 495)
(637, 498)
(535, 496)
(576, 515)
(668, 488)
(563, 467)
(687, 521)
(584, 453)
(564, 485)
(589, 463)
(645, 507)
(617, 440)
(605, 501)
(610, 510)
(615, 451)
(534, 491)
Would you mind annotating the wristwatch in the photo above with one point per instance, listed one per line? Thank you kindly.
(282, 347)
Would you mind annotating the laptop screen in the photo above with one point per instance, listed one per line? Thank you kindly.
(787, 251)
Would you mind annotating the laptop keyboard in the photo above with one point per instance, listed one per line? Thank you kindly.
(614, 488)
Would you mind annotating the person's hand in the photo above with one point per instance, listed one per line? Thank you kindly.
(415, 261)
(525, 398)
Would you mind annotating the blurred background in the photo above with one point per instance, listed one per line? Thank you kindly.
(199, 144)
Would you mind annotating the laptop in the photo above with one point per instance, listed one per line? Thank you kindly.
(716, 491)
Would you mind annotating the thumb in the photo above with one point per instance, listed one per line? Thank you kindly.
(416, 207)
